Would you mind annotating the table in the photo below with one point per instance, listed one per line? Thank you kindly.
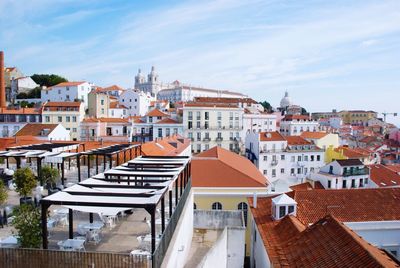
(74, 244)
(10, 241)
(92, 226)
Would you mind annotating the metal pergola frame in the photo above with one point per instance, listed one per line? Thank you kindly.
(110, 192)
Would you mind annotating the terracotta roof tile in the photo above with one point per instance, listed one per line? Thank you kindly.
(218, 167)
(20, 111)
(313, 135)
(156, 112)
(297, 140)
(271, 136)
(69, 84)
(116, 105)
(383, 176)
(35, 129)
(167, 121)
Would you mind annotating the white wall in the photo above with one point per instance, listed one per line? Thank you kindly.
(259, 256)
(179, 247)
(59, 134)
(217, 255)
(137, 102)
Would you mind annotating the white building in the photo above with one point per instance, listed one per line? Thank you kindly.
(137, 102)
(258, 122)
(294, 125)
(67, 92)
(105, 129)
(22, 84)
(179, 92)
(343, 174)
(155, 124)
(49, 132)
(117, 110)
(209, 125)
(285, 160)
(12, 120)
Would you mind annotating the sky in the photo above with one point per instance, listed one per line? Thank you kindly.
(328, 55)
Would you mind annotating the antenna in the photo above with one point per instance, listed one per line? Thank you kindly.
(386, 114)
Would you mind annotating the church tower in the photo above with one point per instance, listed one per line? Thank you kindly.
(139, 79)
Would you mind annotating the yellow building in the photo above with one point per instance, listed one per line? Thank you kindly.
(68, 114)
(222, 180)
(324, 141)
(343, 152)
(357, 117)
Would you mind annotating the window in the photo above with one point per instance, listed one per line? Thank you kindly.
(198, 147)
(59, 119)
(293, 159)
(299, 158)
(194, 206)
(102, 102)
(329, 184)
(353, 183)
(167, 132)
(219, 116)
(312, 158)
(74, 119)
(47, 118)
(282, 171)
(366, 181)
(292, 171)
(159, 132)
(298, 170)
(290, 209)
(68, 119)
(74, 129)
(206, 126)
(318, 158)
(243, 207)
(190, 115)
(265, 157)
(216, 206)
(198, 124)
(265, 172)
(282, 157)
(175, 130)
(206, 115)
(274, 173)
(306, 158)
(282, 211)
(199, 136)
(198, 116)
(190, 126)
(344, 184)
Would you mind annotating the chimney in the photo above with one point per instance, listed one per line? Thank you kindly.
(2, 82)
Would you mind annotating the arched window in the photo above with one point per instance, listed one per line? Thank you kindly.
(243, 207)
(216, 206)
(194, 206)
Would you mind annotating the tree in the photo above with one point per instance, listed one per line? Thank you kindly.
(25, 181)
(48, 80)
(25, 104)
(49, 176)
(3, 193)
(27, 222)
(304, 111)
(267, 106)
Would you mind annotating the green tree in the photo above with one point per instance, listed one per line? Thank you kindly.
(48, 80)
(27, 222)
(25, 181)
(25, 104)
(267, 106)
(3, 193)
(49, 176)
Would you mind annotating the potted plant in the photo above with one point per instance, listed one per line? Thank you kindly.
(3, 199)
(25, 181)
(49, 177)
(27, 223)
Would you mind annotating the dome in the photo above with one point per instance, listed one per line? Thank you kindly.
(286, 102)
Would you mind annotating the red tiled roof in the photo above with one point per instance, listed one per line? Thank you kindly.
(394, 167)
(291, 117)
(211, 105)
(271, 136)
(167, 121)
(35, 129)
(106, 120)
(351, 153)
(20, 111)
(69, 84)
(302, 187)
(326, 243)
(313, 135)
(218, 167)
(62, 104)
(171, 146)
(224, 100)
(111, 88)
(297, 140)
(116, 105)
(384, 176)
(156, 112)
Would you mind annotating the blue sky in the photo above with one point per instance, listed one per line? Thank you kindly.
(327, 54)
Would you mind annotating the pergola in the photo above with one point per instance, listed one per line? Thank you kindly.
(49, 152)
(140, 183)
(108, 152)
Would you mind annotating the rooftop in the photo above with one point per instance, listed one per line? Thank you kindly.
(349, 162)
(36, 129)
(383, 176)
(313, 135)
(218, 167)
(69, 84)
(156, 112)
(271, 136)
(297, 140)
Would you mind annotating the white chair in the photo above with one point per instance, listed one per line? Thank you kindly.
(93, 236)
(60, 244)
(81, 230)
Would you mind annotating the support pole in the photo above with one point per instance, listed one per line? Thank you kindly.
(104, 163)
(62, 173)
(162, 214)
(97, 164)
(91, 217)
(7, 162)
(44, 226)
(170, 203)
(71, 223)
(88, 166)
(110, 161)
(78, 163)
(153, 230)
(176, 193)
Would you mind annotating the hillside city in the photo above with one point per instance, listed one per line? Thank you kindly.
(167, 174)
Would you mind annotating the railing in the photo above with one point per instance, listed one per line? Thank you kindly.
(219, 139)
(21, 257)
(356, 172)
(159, 253)
(206, 139)
(274, 162)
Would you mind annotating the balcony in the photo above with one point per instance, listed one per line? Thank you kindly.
(219, 139)
(274, 162)
(206, 139)
(356, 172)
